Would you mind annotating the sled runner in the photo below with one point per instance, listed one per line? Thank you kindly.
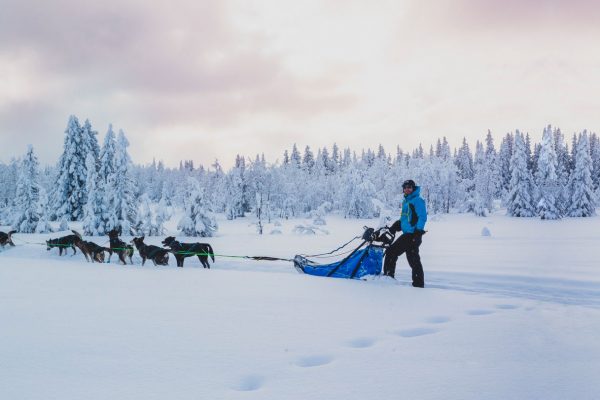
(364, 260)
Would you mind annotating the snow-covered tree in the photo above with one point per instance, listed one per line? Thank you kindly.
(107, 155)
(356, 194)
(198, 219)
(163, 213)
(8, 188)
(125, 203)
(582, 203)
(595, 154)
(260, 188)
(146, 224)
(90, 141)
(546, 178)
(519, 201)
(466, 177)
(295, 157)
(234, 191)
(308, 160)
(92, 216)
(70, 197)
(481, 194)
(30, 198)
(504, 156)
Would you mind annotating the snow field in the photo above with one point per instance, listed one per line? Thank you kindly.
(493, 323)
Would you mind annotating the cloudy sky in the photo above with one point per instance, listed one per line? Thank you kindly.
(205, 79)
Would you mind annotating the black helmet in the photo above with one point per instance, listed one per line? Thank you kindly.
(409, 184)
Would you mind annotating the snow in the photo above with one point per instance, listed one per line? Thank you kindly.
(515, 315)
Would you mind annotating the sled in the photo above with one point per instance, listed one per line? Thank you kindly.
(364, 260)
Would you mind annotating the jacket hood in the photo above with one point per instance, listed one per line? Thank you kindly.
(415, 193)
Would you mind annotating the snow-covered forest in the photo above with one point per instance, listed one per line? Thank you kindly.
(100, 186)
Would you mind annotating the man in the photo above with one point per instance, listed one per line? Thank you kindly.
(411, 223)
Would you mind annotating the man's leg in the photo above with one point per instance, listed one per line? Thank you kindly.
(391, 255)
(414, 260)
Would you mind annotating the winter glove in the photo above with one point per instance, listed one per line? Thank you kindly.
(395, 227)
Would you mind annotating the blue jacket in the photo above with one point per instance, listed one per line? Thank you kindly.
(407, 216)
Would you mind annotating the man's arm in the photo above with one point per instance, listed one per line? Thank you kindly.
(421, 214)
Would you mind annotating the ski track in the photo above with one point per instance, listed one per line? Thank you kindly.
(561, 291)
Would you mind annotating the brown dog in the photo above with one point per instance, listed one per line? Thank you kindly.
(94, 251)
(183, 250)
(64, 242)
(5, 238)
(120, 247)
(159, 256)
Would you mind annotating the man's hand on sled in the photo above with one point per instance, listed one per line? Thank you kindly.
(395, 227)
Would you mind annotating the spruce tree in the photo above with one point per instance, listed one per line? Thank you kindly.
(308, 160)
(562, 171)
(519, 201)
(106, 182)
(125, 202)
(30, 197)
(107, 155)
(70, 196)
(547, 179)
(92, 219)
(481, 192)
(464, 162)
(583, 200)
(295, 158)
(504, 157)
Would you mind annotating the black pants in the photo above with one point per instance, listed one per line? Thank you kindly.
(409, 244)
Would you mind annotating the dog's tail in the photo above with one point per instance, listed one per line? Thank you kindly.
(211, 252)
(10, 239)
(77, 234)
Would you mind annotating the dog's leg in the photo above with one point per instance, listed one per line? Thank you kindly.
(204, 261)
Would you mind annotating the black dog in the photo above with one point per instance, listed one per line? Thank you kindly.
(183, 250)
(5, 238)
(120, 247)
(94, 251)
(64, 242)
(156, 254)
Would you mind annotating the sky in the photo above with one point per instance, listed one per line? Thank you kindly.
(206, 80)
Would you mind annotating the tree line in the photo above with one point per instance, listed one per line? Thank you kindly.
(101, 187)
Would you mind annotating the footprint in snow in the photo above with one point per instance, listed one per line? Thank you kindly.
(407, 333)
(248, 383)
(506, 306)
(438, 320)
(314, 361)
(361, 343)
(480, 312)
